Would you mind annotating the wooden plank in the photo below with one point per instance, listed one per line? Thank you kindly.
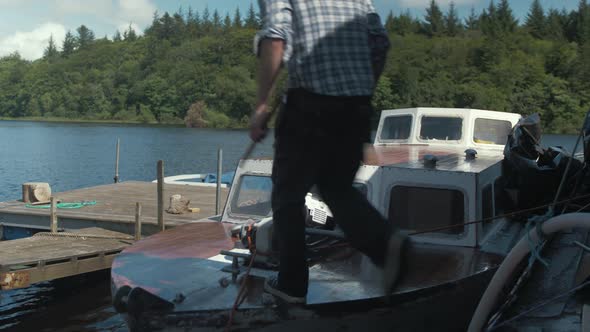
(28, 276)
(53, 214)
(138, 222)
(44, 250)
(161, 195)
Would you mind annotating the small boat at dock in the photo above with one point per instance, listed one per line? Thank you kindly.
(458, 181)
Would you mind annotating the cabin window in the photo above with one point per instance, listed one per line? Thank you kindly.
(488, 131)
(418, 209)
(437, 128)
(396, 127)
(253, 196)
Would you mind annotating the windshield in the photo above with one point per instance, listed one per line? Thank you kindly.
(253, 196)
(396, 127)
(441, 128)
(489, 131)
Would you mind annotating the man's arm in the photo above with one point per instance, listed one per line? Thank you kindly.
(271, 46)
(271, 58)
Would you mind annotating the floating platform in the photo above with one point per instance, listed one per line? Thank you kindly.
(48, 256)
(115, 208)
(90, 237)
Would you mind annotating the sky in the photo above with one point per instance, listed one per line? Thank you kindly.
(26, 25)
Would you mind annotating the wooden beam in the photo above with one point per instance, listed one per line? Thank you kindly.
(161, 195)
(137, 221)
(25, 277)
(53, 214)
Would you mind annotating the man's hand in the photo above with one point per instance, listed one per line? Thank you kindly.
(259, 123)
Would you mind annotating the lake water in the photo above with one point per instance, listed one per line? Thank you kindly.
(70, 156)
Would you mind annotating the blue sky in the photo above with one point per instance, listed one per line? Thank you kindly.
(25, 25)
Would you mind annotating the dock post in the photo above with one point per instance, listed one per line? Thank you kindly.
(53, 214)
(161, 195)
(137, 221)
(219, 172)
(117, 162)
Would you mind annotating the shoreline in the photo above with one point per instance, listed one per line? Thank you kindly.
(115, 122)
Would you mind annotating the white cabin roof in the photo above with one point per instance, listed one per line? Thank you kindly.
(450, 127)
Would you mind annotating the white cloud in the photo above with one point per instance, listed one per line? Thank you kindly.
(31, 44)
(139, 12)
(99, 8)
(443, 3)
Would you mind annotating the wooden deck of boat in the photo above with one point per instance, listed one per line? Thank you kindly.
(89, 237)
(115, 203)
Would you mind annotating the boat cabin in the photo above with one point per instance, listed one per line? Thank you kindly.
(427, 168)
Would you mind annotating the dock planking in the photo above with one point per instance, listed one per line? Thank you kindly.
(47, 256)
(91, 236)
(116, 204)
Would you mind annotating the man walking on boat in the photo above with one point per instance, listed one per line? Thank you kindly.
(335, 51)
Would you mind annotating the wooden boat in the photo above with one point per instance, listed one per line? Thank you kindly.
(431, 171)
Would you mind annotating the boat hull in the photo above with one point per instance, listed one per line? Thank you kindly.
(179, 278)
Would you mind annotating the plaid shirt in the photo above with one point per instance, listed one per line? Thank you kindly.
(330, 44)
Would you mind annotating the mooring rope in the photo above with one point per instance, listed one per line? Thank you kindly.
(539, 305)
(72, 205)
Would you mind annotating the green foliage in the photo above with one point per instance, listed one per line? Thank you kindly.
(51, 51)
(535, 20)
(434, 24)
(200, 70)
(452, 22)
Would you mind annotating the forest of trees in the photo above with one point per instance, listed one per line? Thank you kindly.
(204, 62)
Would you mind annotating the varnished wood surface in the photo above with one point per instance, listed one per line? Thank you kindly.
(116, 203)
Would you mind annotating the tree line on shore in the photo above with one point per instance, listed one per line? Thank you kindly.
(198, 68)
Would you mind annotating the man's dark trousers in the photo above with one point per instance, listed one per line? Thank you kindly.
(319, 141)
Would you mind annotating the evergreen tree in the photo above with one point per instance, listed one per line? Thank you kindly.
(505, 17)
(69, 45)
(192, 23)
(167, 26)
(535, 20)
(434, 25)
(582, 22)
(117, 36)
(227, 23)
(452, 22)
(251, 19)
(489, 21)
(237, 22)
(405, 24)
(556, 24)
(51, 50)
(206, 20)
(179, 25)
(216, 23)
(130, 35)
(390, 22)
(85, 36)
(472, 21)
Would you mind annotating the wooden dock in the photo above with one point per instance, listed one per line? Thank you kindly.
(91, 236)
